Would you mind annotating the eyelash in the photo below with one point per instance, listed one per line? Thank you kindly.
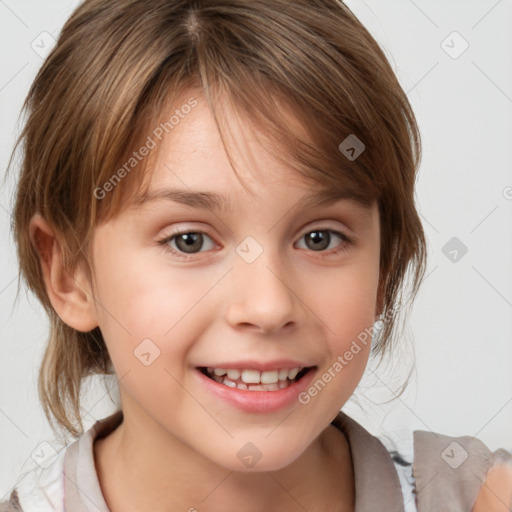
(344, 245)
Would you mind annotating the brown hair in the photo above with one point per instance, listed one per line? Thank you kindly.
(119, 64)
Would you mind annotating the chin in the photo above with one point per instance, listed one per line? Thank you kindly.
(250, 459)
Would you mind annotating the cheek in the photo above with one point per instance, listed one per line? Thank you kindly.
(346, 301)
(346, 304)
(143, 300)
(128, 299)
(150, 317)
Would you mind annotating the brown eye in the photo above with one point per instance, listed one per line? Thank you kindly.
(187, 242)
(318, 240)
(322, 239)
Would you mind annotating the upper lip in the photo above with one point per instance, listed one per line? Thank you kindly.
(259, 365)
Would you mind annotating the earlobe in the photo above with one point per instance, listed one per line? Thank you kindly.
(70, 294)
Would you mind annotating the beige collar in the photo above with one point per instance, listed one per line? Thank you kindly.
(376, 480)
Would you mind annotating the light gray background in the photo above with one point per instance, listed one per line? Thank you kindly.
(461, 323)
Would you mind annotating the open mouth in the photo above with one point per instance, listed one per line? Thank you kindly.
(254, 380)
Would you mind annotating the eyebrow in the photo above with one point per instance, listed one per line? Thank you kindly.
(212, 201)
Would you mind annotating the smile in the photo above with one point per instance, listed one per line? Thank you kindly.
(254, 380)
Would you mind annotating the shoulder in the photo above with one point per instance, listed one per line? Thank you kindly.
(460, 473)
(453, 474)
(39, 488)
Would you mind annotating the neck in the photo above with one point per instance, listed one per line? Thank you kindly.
(135, 473)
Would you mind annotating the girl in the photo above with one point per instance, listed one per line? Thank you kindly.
(216, 205)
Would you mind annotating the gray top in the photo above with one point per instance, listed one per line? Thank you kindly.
(446, 473)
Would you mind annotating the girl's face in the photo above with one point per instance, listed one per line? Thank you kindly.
(256, 281)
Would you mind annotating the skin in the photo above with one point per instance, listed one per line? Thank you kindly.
(496, 492)
(177, 446)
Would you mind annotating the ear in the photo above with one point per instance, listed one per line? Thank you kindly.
(70, 295)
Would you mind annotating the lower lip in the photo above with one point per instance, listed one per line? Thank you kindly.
(258, 401)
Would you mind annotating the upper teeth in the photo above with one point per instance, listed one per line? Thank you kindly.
(256, 377)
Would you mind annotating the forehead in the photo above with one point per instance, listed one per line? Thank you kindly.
(197, 137)
(192, 166)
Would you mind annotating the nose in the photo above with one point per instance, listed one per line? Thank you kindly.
(261, 297)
